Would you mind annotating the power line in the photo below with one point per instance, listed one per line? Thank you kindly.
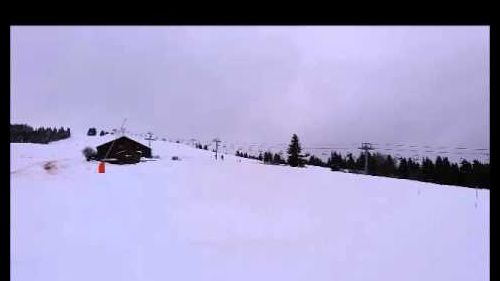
(435, 151)
(398, 147)
(431, 146)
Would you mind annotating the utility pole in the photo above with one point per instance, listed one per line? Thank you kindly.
(365, 146)
(216, 140)
(122, 127)
(149, 138)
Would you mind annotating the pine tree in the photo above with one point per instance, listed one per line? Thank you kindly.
(350, 163)
(374, 161)
(414, 171)
(447, 176)
(485, 176)
(311, 161)
(60, 133)
(390, 166)
(480, 175)
(466, 173)
(380, 164)
(295, 159)
(360, 162)
(335, 161)
(428, 170)
(268, 157)
(277, 159)
(455, 175)
(315, 161)
(438, 170)
(403, 169)
(44, 136)
(343, 162)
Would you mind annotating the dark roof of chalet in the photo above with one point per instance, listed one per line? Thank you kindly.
(122, 139)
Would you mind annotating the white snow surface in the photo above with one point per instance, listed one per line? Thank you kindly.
(237, 219)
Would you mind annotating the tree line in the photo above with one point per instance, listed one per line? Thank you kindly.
(440, 171)
(22, 133)
(295, 159)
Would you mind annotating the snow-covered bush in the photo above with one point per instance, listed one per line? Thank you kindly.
(89, 153)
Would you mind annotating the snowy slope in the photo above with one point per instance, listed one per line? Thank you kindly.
(237, 219)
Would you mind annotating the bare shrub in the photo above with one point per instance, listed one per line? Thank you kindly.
(89, 153)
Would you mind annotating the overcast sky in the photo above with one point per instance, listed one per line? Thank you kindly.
(334, 85)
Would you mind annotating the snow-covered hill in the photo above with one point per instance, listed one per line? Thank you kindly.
(237, 219)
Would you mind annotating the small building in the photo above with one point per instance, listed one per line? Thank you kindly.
(123, 150)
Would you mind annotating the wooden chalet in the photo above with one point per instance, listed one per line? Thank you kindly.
(122, 150)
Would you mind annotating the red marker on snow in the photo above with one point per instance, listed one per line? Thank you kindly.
(100, 168)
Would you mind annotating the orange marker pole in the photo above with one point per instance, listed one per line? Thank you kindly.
(101, 168)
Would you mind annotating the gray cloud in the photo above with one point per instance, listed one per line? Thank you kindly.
(424, 85)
